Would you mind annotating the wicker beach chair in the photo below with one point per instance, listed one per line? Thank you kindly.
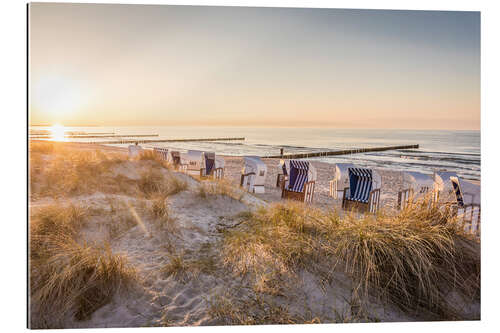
(340, 179)
(282, 176)
(134, 151)
(467, 207)
(363, 193)
(162, 153)
(301, 183)
(214, 165)
(447, 188)
(179, 161)
(196, 163)
(418, 185)
(253, 174)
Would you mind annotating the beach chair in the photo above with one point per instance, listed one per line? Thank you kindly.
(282, 176)
(162, 153)
(134, 151)
(445, 178)
(253, 174)
(467, 207)
(196, 163)
(301, 183)
(418, 185)
(220, 163)
(363, 193)
(214, 166)
(179, 161)
(340, 179)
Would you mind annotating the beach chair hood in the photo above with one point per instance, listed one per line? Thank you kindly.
(362, 182)
(419, 182)
(134, 151)
(465, 192)
(195, 159)
(300, 173)
(256, 165)
(442, 178)
(341, 175)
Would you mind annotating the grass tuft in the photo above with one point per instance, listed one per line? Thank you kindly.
(219, 187)
(76, 279)
(414, 260)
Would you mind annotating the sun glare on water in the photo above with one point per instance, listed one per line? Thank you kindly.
(57, 132)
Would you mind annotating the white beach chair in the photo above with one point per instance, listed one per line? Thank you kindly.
(301, 181)
(196, 163)
(162, 153)
(220, 165)
(417, 185)
(134, 151)
(445, 178)
(468, 205)
(253, 174)
(340, 179)
(363, 192)
(179, 160)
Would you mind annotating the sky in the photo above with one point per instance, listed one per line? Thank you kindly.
(125, 65)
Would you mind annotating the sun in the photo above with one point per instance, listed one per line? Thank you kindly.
(57, 132)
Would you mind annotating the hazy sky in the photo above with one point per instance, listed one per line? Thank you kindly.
(186, 65)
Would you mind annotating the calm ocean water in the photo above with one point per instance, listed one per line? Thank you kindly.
(458, 151)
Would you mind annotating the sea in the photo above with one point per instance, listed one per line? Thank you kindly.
(449, 150)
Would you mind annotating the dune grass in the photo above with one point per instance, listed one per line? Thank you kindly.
(154, 183)
(186, 265)
(254, 310)
(414, 260)
(66, 172)
(219, 187)
(68, 276)
(58, 172)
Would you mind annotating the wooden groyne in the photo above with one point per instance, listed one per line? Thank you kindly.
(96, 136)
(112, 142)
(341, 152)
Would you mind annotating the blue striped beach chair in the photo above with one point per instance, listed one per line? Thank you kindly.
(467, 208)
(363, 192)
(301, 181)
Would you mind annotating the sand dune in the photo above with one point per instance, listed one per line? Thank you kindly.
(182, 278)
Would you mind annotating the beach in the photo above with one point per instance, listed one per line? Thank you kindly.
(392, 181)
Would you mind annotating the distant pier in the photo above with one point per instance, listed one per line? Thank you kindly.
(341, 152)
(112, 142)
